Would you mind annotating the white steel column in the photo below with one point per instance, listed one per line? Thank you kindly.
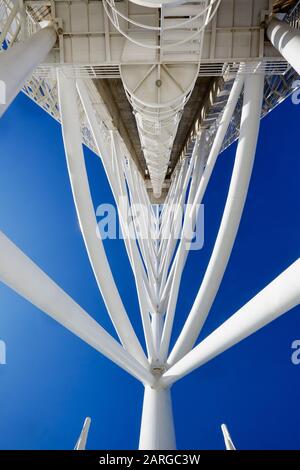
(22, 275)
(86, 215)
(157, 427)
(157, 321)
(227, 438)
(286, 40)
(280, 296)
(19, 61)
(250, 119)
(81, 443)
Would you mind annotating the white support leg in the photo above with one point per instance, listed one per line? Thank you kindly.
(286, 40)
(19, 61)
(250, 119)
(157, 427)
(280, 296)
(227, 438)
(22, 275)
(86, 215)
(81, 443)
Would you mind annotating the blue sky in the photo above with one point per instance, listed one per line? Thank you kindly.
(52, 380)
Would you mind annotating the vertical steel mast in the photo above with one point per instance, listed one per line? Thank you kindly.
(157, 230)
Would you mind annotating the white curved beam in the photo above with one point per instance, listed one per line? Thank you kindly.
(86, 216)
(286, 40)
(95, 128)
(19, 61)
(116, 180)
(81, 443)
(253, 94)
(277, 298)
(22, 275)
(191, 216)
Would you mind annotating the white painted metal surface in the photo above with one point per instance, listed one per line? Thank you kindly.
(88, 36)
(227, 438)
(287, 40)
(157, 427)
(81, 443)
(18, 62)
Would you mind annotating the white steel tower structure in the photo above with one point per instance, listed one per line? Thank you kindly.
(157, 89)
